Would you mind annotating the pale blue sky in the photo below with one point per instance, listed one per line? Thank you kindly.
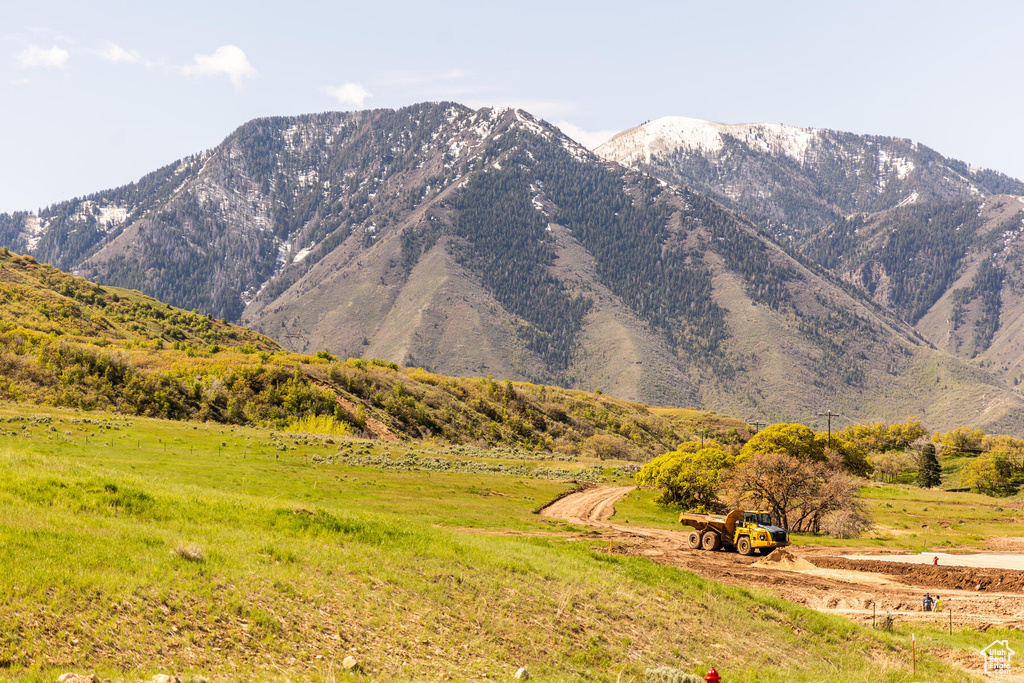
(96, 94)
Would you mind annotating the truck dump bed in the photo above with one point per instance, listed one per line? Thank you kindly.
(723, 524)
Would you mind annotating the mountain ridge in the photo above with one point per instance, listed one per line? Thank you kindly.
(485, 242)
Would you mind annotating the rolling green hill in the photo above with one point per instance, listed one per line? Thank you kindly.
(67, 342)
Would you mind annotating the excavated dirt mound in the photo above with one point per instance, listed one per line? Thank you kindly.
(780, 558)
(960, 578)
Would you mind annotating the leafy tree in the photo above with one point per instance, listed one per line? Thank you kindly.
(795, 440)
(853, 459)
(891, 464)
(928, 469)
(989, 474)
(1011, 446)
(960, 440)
(803, 443)
(801, 494)
(689, 480)
(880, 437)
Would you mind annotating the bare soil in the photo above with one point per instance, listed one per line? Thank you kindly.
(862, 590)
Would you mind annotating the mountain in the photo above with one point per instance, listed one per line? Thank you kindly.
(795, 181)
(485, 242)
(933, 240)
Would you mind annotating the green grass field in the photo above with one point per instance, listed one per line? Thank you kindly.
(135, 546)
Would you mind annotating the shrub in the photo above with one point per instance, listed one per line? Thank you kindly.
(190, 553)
(335, 374)
(668, 674)
(845, 523)
(609, 447)
(319, 424)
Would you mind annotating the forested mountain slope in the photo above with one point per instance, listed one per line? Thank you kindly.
(487, 243)
(933, 240)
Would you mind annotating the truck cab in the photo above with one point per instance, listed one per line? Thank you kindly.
(762, 534)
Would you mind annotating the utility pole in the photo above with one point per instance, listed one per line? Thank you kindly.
(829, 414)
(757, 424)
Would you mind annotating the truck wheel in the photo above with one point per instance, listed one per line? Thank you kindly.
(711, 541)
(693, 540)
(743, 545)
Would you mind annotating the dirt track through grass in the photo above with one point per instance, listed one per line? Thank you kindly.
(588, 507)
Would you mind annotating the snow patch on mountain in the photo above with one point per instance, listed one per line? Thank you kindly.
(32, 232)
(887, 163)
(912, 199)
(112, 215)
(673, 133)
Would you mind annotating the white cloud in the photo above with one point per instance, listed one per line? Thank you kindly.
(112, 52)
(226, 60)
(33, 55)
(352, 95)
(19, 81)
(588, 138)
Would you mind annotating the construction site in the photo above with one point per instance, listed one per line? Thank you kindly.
(980, 591)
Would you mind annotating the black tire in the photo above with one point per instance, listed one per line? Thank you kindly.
(693, 540)
(711, 541)
(744, 547)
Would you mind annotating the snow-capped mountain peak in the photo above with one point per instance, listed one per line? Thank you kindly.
(672, 133)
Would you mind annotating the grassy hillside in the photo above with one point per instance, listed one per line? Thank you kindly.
(39, 298)
(132, 547)
(67, 342)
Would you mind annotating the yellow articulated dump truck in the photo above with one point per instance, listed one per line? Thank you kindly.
(746, 532)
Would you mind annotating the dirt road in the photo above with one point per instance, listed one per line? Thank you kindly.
(860, 589)
(588, 507)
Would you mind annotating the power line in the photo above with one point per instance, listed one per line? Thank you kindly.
(829, 414)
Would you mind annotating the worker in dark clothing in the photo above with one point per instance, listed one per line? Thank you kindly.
(927, 602)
